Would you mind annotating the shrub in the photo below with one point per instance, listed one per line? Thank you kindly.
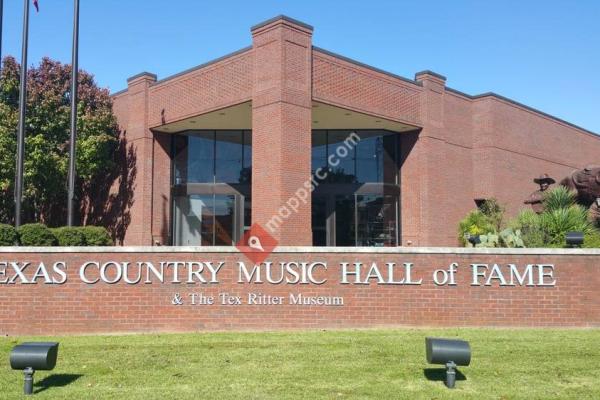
(36, 235)
(556, 223)
(559, 198)
(511, 238)
(96, 236)
(8, 235)
(475, 223)
(592, 240)
(492, 209)
(69, 236)
(528, 222)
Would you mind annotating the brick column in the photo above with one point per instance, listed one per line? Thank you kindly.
(281, 128)
(139, 231)
(432, 158)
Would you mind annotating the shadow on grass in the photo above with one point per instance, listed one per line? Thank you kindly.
(56, 380)
(439, 374)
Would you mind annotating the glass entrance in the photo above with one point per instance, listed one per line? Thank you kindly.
(357, 200)
(211, 187)
(205, 220)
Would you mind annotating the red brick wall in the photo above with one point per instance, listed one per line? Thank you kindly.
(218, 85)
(76, 307)
(355, 87)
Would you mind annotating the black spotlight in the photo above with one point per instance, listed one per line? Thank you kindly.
(32, 356)
(474, 239)
(448, 352)
(574, 239)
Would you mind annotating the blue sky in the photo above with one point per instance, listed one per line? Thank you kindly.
(545, 54)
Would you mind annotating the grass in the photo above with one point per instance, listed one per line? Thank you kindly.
(351, 364)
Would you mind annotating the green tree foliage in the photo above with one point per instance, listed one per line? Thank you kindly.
(47, 138)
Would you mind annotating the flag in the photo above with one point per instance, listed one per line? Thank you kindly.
(36, 5)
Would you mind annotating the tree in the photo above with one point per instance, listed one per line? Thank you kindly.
(46, 141)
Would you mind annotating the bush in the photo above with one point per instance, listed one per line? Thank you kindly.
(556, 223)
(96, 236)
(559, 198)
(492, 209)
(8, 235)
(592, 240)
(69, 236)
(36, 235)
(475, 223)
(528, 222)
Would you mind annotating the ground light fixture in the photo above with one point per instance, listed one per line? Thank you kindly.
(448, 352)
(574, 239)
(32, 356)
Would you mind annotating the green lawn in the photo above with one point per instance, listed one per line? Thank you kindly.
(357, 364)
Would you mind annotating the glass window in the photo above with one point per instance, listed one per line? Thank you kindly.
(194, 218)
(376, 220)
(319, 152)
(319, 220)
(247, 214)
(344, 221)
(204, 220)
(369, 159)
(229, 153)
(224, 210)
(246, 175)
(341, 157)
(211, 157)
(194, 158)
(362, 215)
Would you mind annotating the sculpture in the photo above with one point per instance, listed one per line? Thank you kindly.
(586, 182)
(536, 198)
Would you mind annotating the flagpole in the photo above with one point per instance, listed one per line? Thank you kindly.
(74, 75)
(22, 111)
(1, 19)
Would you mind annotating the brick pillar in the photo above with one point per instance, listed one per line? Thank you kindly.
(139, 231)
(281, 128)
(432, 158)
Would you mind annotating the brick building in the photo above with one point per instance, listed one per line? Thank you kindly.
(232, 142)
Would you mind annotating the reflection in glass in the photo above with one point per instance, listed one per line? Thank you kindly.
(194, 220)
(360, 214)
(229, 153)
(319, 221)
(194, 158)
(344, 221)
(319, 152)
(224, 209)
(246, 174)
(212, 157)
(372, 159)
(204, 220)
(376, 220)
(341, 157)
(247, 214)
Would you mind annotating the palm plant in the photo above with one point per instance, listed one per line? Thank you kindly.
(556, 223)
(559, 198)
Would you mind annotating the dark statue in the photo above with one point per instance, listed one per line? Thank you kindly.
(536, 198)
(586, 182)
